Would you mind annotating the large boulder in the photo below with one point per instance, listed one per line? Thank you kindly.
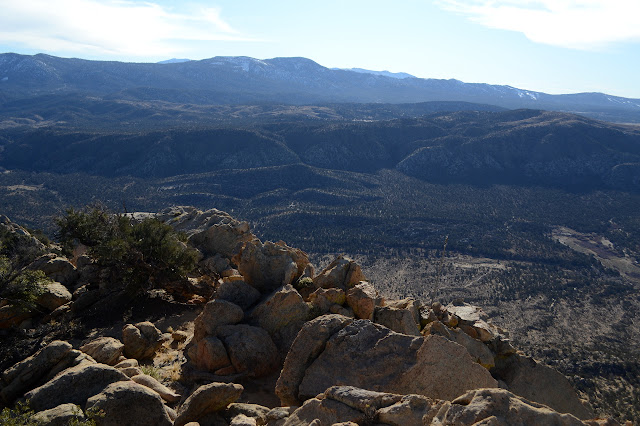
(11, 316)
(86, 297)
(361, 399)
(238, 292)
(324, 412)
(268, 266)
(250, 349)
(324, 299)
(207, 399)
(409, 304)
(307, 346)
(500, 407)
(276, 416)
(251, 411)
(128, 403)
(62, 415)
(75, 385)
(141, 340)
(74, 358)
(397, 319)
(208, 354)
(540, 383)
(370, 356)
(27, 245)
(243, 420)
(479, 351)
(54, 296)
(105, 350)
(410, 410)
(467, 313)
(57, 268)
(211, 231)
(342, 273)
(30, 371)
(363, 299)
(343, 404)
(216, 313)
(282, 315)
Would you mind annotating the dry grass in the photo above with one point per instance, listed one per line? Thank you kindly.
(169, 359)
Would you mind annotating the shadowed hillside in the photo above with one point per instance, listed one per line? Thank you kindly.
(523, 147)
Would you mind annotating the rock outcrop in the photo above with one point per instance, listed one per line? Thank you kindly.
(75, 385)
(342, 273)
(282, 314)
(268, 266)
(308, 345)
(250, 349)
(211, 231)
(344, 404)
(222, 346)
(536, 382)
(28, 245)
(238, 292)
(366, 355)
(216, 313)
(29, 372)
(345, 354)
(499, 406)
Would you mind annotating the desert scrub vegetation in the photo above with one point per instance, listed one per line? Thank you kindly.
(139, 254)
(22, 415)
(19, 249)
(20, 288)
(152, 371)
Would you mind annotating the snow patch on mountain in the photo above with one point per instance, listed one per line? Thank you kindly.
(398, 75)
(174, 61)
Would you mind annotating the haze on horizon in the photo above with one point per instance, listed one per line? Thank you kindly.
(553, 46)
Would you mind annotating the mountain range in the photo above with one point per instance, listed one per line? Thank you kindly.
(295, 81)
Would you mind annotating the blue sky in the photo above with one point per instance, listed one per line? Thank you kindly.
(554, 46)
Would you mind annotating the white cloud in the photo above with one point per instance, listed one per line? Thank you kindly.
(578, 24)
(109, 27)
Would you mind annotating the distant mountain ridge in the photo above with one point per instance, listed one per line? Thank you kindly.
(297, 81)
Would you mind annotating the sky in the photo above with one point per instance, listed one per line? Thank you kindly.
(552, 46)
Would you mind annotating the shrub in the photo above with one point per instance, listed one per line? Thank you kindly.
(20, 415)
(18, 248)
(20, 287)
(304, 283)
(152, 371)
(140, 254)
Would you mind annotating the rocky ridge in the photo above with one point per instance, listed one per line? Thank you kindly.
(337, 350)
